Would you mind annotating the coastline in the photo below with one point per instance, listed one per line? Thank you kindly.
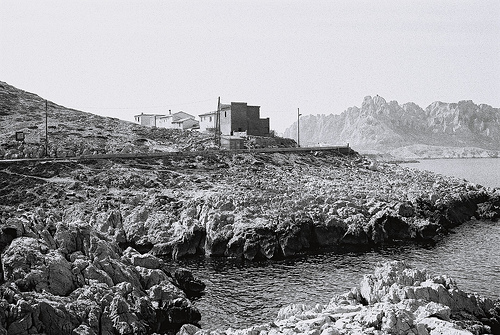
(394, 299)
(76, 220)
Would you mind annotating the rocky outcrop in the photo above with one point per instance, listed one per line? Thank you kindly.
(71, 278)
(420, 220)
(396, 299)
(256, 206)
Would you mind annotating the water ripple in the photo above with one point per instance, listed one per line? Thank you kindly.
(240, 294)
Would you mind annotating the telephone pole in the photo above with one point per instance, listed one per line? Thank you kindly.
(217, 125)
(46, 131)
(298, 127)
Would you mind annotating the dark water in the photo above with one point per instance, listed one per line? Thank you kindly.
(241, 294)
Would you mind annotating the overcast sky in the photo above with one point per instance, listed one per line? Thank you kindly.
(121, 58)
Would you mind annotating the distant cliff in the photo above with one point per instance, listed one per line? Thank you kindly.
(445, 129)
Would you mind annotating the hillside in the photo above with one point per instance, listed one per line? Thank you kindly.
(461, 129)
(72, 132)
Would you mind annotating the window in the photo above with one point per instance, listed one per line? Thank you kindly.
(210, 119)
(225, 114)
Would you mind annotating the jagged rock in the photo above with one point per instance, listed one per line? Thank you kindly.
(73, 237)
(162, 250)
(219, 231)
(260, 243)
(31, 264)
(385, 227)
(164, 292)
(190, 243)
(330, 232)
(295, 236)
(386, 303)
(405, 209)
(187, 282)
(148, 261)
(188, 329)
(181, 311)
(355, 235)
(151, 277)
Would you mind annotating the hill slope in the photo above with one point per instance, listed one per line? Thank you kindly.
(458, 129)
(72, 132)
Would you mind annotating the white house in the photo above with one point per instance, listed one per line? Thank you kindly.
(149, 120)
(186, 123)
(207, 121)
(179, 120)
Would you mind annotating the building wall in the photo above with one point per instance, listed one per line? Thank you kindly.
(146, 119)
(207, 122)
(264, 127)
(167, 121)
(239, 120)
(226, 116)
(186, 124)
(164, 122)
(253, 120)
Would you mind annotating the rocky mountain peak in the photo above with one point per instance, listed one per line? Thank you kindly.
(373, 105)
(382, 126)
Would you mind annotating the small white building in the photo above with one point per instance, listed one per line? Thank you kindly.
(207, 121)
(149, 120)
(187, 123)
(179, 120)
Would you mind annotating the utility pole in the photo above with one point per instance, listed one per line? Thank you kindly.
(46, 131)
(217, 125)
(298, 127)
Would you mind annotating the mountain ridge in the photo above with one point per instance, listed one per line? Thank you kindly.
(385, 127)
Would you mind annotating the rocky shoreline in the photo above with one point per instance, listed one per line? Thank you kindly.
(60, 278)
(85, 245)
(395, 299)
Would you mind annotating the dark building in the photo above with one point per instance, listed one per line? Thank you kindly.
(238, 117)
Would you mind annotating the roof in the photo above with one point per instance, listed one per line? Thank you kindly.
(142, 114)
(208, 113)
(185, 119)
(174, 114)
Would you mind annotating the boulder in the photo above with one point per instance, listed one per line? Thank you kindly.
(219, 231)
(148, 261)
(164, 292)
(260, 243)
(151, 277)
(405, 209)
(295, 236)
(162, 250)
(387, 227)
(329, 232)
(30, 263)
(188, 283)
(73, 237)
(190, 243)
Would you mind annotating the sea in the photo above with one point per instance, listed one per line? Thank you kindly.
(240, 294)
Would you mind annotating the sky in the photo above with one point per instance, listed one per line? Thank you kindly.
(121, 58)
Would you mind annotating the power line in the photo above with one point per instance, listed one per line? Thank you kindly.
(147, 107)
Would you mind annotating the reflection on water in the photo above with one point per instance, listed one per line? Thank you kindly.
(240, 294)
